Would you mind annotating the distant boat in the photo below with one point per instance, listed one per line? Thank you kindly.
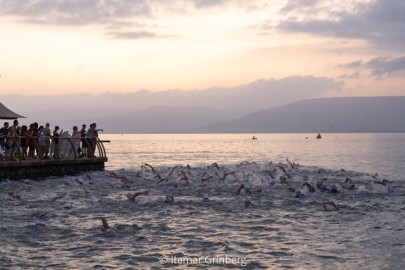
(319, 136)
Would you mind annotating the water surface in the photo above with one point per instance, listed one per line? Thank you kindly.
(272, 229)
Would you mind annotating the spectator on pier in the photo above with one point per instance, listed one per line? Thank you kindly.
(3, 137)
(75, 131)
(90, 137)
(55, 136)
(41, 142)
(36, 136)
(47, 133)
(95, 137)
(75, 140)
(15, 142)
(83, 139)
(31, 135)
(24, 141)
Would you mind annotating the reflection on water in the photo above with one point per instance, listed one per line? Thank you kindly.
(372, 153)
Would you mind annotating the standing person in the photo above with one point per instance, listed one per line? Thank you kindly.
(41, 142)
(47, 133)
(31, 141)
(3, 138)
(75, 140)
(14, 137)
(95, 137)
(55, 136)
(90, 141)
(35, 137)
(75, 131)
(84, 141)
(24, 141)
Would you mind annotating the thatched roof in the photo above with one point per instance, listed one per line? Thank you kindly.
(6, 113)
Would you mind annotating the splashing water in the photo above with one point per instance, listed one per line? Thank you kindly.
(277, 220)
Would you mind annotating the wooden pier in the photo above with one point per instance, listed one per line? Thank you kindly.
(41, 168)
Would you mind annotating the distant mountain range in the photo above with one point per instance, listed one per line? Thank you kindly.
(347, 114)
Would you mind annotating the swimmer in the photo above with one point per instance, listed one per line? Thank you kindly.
(55, 198)
(349, 184)
(169, 199)
(284, 171)
(41, 215)
(329, 206)
(79, 181)
(14, 195)
(388, 185)
(299, 195)
(256, 190)
(334, 190)
(136, 194)
(248, 204)
(155, 172)
(377, 178)
(320, 186)
(226, 174)
(106, 226)
(39, 226)
(169, 175)
(206, 179)
(175, 190)
(239, 189)
(306, 187)
(291, 164)
(214, 165)
(383, 186)
(109, 230)
(283, 180)
(113, 174)
(40, 222)
(252, 191)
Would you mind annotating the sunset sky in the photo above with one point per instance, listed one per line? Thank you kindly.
(53, 47)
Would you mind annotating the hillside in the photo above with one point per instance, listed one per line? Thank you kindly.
(349, 114)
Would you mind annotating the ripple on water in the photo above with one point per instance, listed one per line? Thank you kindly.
(276, 233)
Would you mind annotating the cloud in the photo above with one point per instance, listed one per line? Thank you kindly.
(380, 22)
(255, 95)
(293, 5)
(378, 66)
(383, 65)
(133, 35)
(122, 16)
(131, 19)
(207, 3)
(355, 64)
(66, 110)
(74, 12)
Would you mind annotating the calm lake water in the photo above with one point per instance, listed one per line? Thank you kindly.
(363, 152)
(56, 223)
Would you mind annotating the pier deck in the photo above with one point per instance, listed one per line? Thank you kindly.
(41, 168)
(36, 169)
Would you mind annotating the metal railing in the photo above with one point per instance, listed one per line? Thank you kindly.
(67, 150)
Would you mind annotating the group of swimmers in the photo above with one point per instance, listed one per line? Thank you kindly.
(299, 193)
(25, 142)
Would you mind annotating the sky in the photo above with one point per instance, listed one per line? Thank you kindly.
(69, 47)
